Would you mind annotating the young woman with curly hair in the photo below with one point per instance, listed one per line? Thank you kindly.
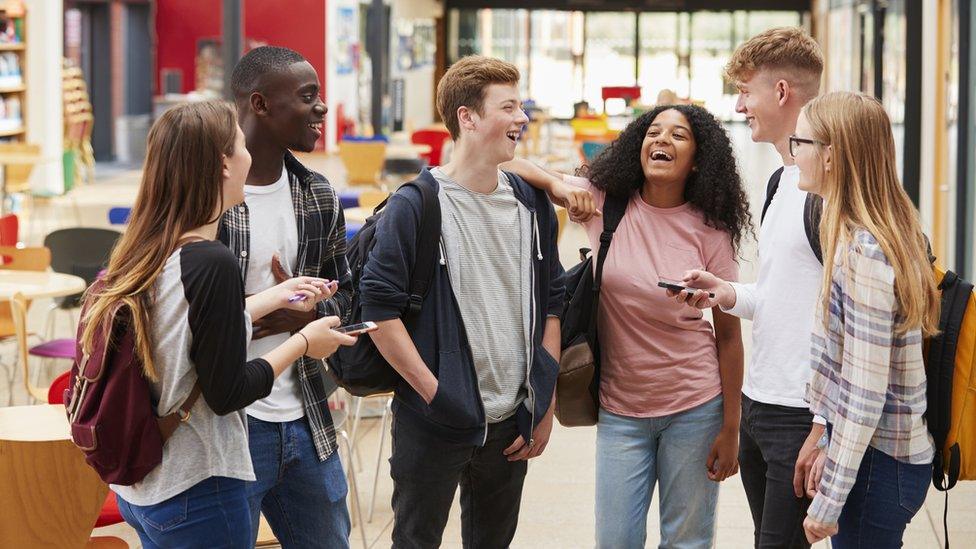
(670, 381)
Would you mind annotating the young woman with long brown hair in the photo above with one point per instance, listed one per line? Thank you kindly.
(192, 323)
(878, 300)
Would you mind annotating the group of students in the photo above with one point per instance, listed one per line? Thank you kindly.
(828, 433)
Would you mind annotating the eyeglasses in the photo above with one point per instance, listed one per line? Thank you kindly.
(794, 141)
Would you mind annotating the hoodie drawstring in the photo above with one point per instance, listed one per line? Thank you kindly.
(538, 243)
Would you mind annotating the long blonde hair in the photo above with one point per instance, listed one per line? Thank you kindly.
(863, 190)
(180, 191)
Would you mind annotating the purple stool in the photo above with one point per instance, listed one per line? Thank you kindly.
(56, 348)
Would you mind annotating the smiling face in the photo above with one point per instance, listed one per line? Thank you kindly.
(760, 101)
(495, 132)
(668, 150)
(296, 113)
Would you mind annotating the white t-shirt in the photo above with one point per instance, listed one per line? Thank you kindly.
(782, 302)
(272, 230)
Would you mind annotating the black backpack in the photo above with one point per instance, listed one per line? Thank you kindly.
(812, 210)
(578, 384)
(360, 369)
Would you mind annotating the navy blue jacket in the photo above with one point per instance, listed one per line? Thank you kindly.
(457, 412)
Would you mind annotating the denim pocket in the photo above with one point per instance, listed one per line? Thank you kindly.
(913, 485)
(165, 515)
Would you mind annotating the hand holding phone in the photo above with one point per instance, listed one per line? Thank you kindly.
(357, 329)
(677, 286)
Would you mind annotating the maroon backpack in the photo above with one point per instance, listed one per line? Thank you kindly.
(110, 407)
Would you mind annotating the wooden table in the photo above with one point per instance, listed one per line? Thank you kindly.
(35, 285)
(357, 215)
(50, 496)
(410, 150)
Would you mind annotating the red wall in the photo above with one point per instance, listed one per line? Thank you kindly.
(300, 27)
(295, 24)
(181, 23)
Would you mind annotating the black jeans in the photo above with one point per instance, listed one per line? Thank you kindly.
(427, 470)
(770, 438)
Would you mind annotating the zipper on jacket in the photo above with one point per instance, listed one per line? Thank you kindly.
(531, 342)
(457, 305)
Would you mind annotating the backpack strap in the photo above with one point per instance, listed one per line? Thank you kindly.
(939, 369)
(169, 423)
(771, 187)
(613, 211)
(428, 244)
(812, 212)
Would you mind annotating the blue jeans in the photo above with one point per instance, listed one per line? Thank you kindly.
(212, 513)
(632, 454)
(304, 499)
(883, 500)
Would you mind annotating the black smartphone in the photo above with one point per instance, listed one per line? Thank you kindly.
(679, 287)
(357, 329)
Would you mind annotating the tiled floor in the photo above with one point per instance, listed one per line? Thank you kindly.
(557, 506)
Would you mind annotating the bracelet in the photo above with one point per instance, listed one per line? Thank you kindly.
(306, 342)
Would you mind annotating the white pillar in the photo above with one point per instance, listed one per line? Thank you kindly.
(45, 37)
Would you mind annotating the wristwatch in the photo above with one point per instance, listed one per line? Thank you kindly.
(824, 441)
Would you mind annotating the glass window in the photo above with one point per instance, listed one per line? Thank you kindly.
(609, 56)
(555, 77)
(659, 59)
(711, 46)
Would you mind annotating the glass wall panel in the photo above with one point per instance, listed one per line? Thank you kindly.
(555, 79)
(609, 55)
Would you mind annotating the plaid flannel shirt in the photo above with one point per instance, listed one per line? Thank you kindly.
(321, 253)
(868, 380)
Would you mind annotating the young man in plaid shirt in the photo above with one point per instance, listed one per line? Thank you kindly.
(290, 224)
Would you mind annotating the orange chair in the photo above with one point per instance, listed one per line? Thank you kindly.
(436, 139)
(110, 509)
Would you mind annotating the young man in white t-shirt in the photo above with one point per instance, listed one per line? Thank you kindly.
(289, 224)
(777, 72)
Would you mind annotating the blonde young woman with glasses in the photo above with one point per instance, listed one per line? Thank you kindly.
(878, 300)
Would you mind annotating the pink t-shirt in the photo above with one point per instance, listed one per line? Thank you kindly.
(659, 357)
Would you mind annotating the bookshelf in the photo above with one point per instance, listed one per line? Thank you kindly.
(13, 71)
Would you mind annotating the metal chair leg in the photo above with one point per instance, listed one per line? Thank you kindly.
(354, 434)
(379, 459)
(354, 490)
(50, 321)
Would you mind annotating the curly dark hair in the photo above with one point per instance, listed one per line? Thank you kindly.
(714, 189)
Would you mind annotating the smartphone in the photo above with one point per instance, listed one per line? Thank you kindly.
(678, 286)
(357, 329)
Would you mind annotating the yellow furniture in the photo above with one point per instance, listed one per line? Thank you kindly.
(363, 161)
(50, 496)
(370, 198)
(589, 128)
(18, 310)
(18, 165)
(562, 216)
